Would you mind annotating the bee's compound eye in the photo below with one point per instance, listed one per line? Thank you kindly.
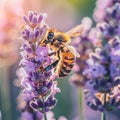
(50, 35)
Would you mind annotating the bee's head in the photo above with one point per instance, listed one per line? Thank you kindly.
(50, 36)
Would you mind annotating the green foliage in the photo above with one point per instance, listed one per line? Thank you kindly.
(84, 7)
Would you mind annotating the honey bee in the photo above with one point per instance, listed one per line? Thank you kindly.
(65, 53)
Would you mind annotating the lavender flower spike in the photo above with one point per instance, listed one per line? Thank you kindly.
(39, 87)
(103, 65)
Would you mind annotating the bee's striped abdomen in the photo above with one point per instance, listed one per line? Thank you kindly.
(68, 60)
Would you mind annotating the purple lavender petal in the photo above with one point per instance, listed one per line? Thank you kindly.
(37, 32)
(40, 18)
(40, 103)
(30, 15)
(44, 90)
(25, 19)
(34, 105)
(34, 19)
(49, 84)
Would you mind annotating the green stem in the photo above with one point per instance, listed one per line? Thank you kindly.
(5, 94)
(81, 110)
(103, 116)
(45, 117)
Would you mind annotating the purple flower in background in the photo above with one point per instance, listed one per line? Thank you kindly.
(103, 67)
(103, 79)
(109, 25)
(83, 46)
(95, 69)
(26, 116)
(39, 85)
(103, 10)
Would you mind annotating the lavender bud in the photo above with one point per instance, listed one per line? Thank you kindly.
(25, 19)
(34, 19)
(30, 15)
(34, 105)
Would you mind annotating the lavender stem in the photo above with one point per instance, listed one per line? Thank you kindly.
(81, 103)
(45, 117)
(103, 116)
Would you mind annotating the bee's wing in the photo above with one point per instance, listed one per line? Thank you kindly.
(72, 49)
(75, 32)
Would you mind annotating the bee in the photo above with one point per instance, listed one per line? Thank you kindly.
(65, 54)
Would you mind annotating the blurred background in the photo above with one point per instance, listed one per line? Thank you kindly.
(62, 15)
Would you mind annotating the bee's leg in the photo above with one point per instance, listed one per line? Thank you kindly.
(56, 54)
(56, 63)
(53, 65)
(52, 53)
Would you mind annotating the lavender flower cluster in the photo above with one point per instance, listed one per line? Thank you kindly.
(109, 25)
(39, 86)
(29, 113)
(83, 45)
(103, 70)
